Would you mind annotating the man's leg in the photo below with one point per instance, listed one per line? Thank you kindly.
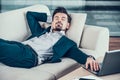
(16, 54)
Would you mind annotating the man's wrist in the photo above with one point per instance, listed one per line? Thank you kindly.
(90, 56)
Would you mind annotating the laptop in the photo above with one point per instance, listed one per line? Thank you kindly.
(110, 64)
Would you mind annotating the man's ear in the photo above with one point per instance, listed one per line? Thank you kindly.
(68, 25)
(52, 24)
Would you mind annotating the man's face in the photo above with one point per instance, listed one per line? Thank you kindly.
(60, 22)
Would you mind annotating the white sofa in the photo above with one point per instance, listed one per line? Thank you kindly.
(94, 41)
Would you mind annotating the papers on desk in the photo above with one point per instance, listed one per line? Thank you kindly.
(90, 77)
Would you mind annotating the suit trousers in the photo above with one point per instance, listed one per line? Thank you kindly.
(16, 54)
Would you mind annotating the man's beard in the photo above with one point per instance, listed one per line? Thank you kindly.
(58, 27)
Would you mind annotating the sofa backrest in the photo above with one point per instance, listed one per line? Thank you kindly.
(13, 25)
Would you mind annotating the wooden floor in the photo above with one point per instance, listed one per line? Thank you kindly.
(114, 43)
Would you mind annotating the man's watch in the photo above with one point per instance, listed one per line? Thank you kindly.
(90, 56)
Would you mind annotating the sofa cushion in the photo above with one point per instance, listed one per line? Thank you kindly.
(59, 69)
(11, 73)
(76, 27)
(46, 71)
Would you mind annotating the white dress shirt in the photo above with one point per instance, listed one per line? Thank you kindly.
(43, 44)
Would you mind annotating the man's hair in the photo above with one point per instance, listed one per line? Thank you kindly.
(61, 10)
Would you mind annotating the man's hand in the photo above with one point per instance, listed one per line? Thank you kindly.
(93, 64)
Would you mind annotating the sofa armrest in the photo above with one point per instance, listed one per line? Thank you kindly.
(95, 38)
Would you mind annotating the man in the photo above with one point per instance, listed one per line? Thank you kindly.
(44, 45)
